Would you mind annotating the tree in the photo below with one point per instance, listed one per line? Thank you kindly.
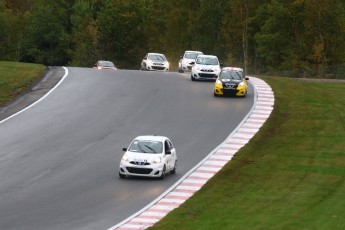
(235, 33)
(85, 34)
(48, 35)
(275, 41)
(121, 28)
(3, 28)
(205, 24)
(324, 33)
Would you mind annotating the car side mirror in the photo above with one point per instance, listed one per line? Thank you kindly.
(124, 149)
(168, 152)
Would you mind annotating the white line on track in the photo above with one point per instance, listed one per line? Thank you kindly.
(39, 100)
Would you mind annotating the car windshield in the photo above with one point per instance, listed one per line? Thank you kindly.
(156, 57)
(191, 55)
(207, 61)
(107, 64)
(236, 75)
(142, 146)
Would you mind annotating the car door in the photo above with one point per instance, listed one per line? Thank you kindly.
(167, 147)
(143, 63)
(173, 155)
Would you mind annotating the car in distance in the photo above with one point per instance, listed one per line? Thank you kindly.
(185, 61)
(101, 64)
(205, 67)
(155, 61)
(148, 156)
(231, 82)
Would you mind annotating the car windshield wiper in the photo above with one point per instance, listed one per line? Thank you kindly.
(141, 149)
(239, 76)
(154, 151)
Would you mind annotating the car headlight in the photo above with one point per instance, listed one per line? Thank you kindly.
(196, 68)
(149, 62)
(186, 62)
(216, 69)
(157, 160)
(125, 157)
(241, 84)
(218, 82)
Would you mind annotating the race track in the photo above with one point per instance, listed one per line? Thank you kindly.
(59, 159)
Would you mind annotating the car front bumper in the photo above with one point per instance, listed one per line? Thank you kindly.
(207, 76)
(239, 91)
(129, 169)
(157, 67)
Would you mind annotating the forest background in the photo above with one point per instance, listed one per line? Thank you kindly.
(297, 38)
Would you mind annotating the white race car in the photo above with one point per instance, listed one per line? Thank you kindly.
(206, 67)
(188, 57)
(148, 156)
(155, 61)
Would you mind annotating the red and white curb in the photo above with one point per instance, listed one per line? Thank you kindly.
(208, 167)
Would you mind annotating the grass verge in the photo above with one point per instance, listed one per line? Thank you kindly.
(16, 78)
(291, 174)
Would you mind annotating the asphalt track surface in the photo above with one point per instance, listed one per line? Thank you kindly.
(59, 159)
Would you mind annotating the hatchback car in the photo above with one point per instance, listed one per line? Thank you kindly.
(188, 57)
(231, 82)
(205, 67)
(148, 156)
(155, 61)
(104, 65)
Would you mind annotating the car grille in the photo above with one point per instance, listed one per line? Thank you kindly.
(207, 75)
(158, 63)
(158, 67)
(229, 92)
(207, 70)
(139, 163)
(230, 85)
(139, 170)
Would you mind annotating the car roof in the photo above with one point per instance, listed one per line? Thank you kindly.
(155, 54)
(151, 138)
(232, 69)
(104, 61)
(204, 55)
(192, 51)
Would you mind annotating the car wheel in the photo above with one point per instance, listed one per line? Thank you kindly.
(180, 70)
(216, 95)
(191, 76)
(122, 176)
(163, 172)
(173, 171)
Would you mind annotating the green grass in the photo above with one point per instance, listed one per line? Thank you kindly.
(290, 176)
(16, 78)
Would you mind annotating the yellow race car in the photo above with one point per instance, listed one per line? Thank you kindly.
(231, 82)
